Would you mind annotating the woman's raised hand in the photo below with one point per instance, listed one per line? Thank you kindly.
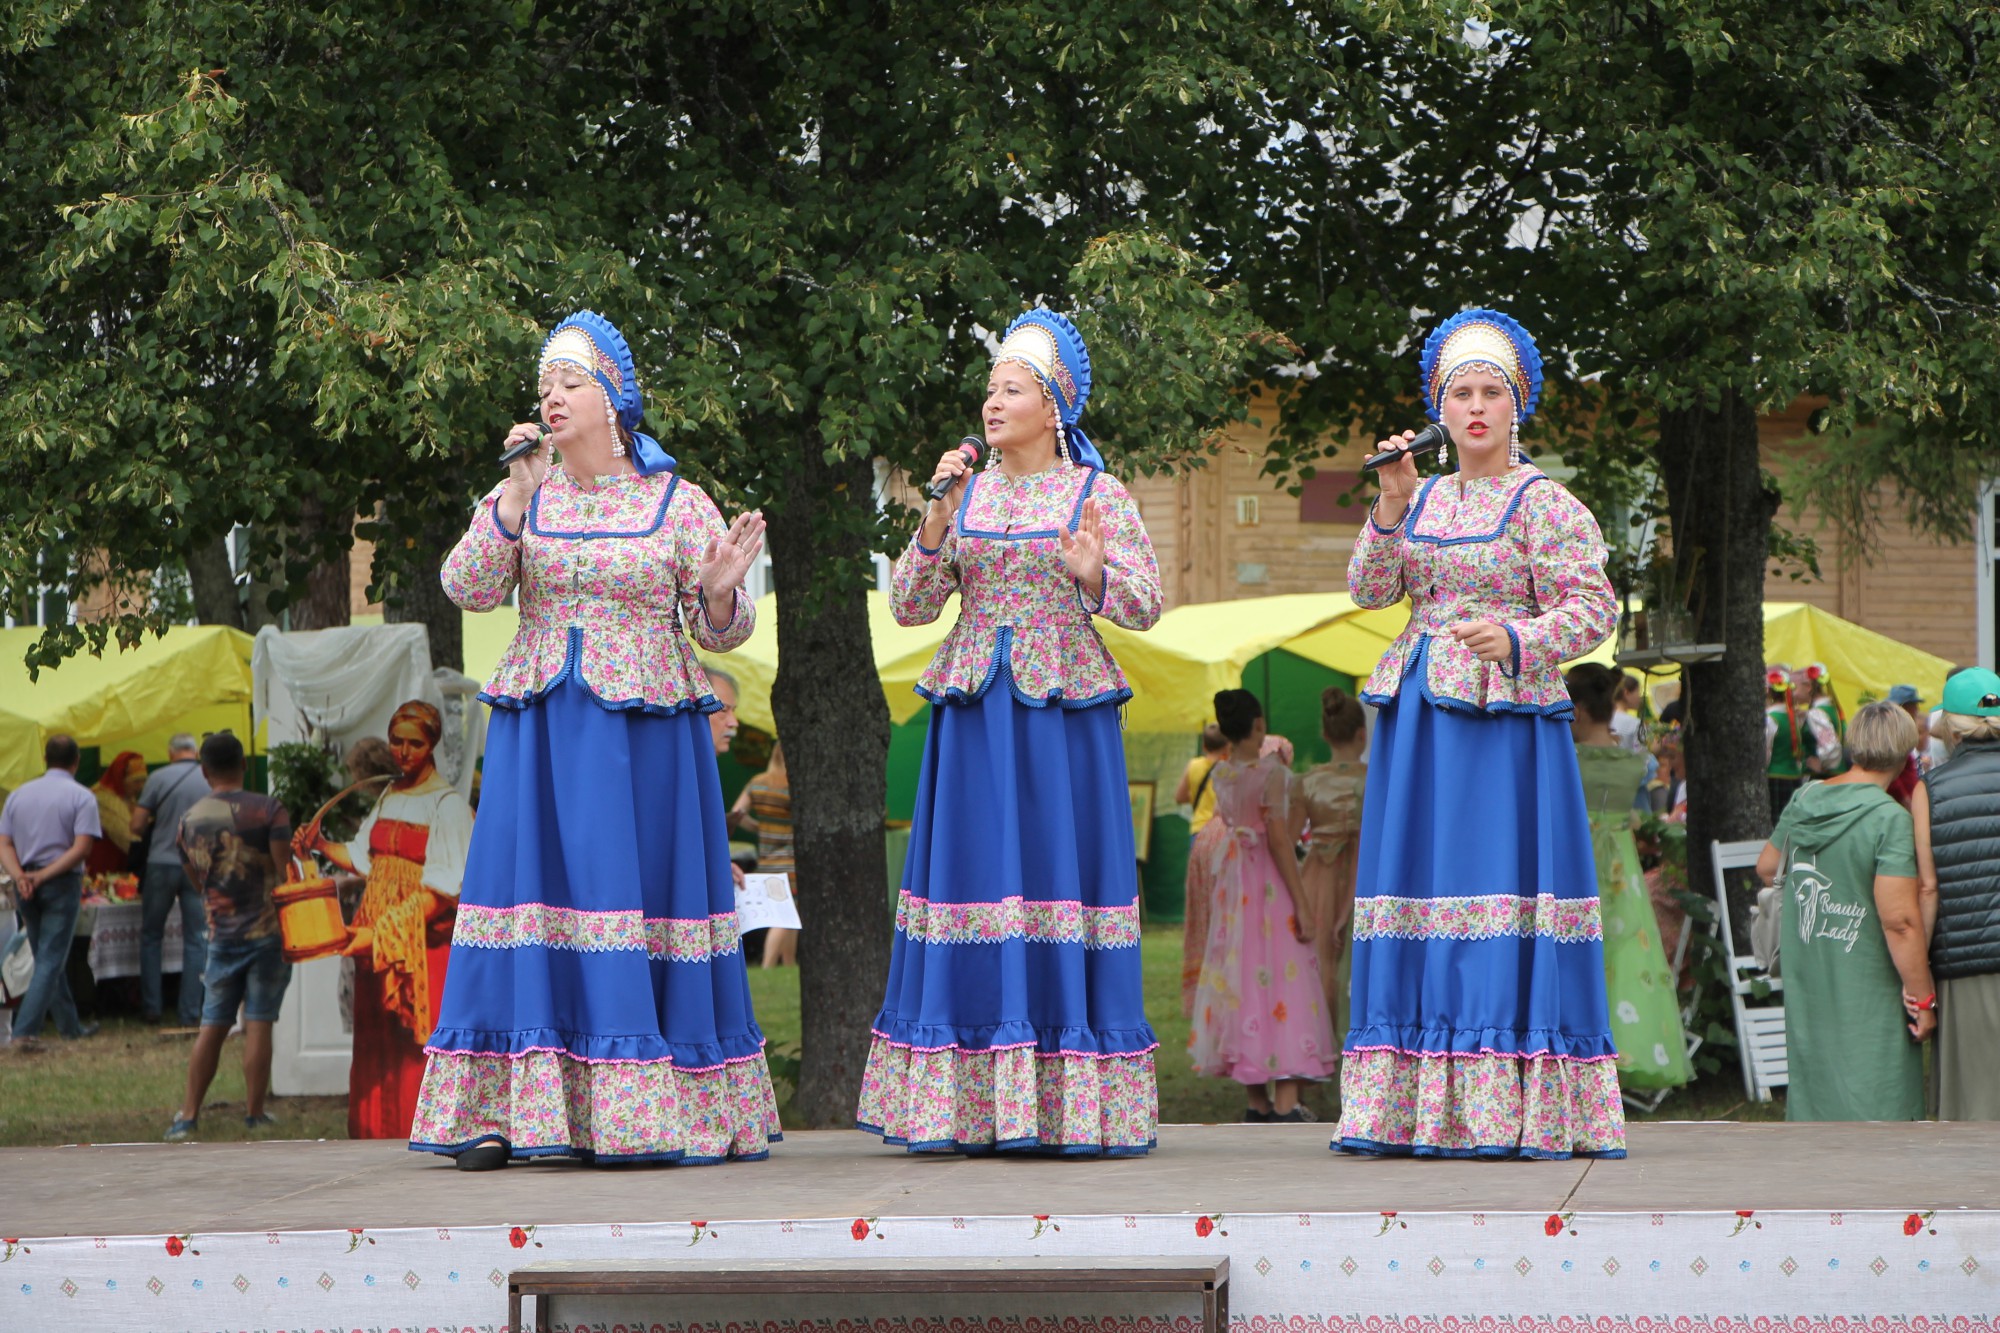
(1083, 550)
(729, 557)
(1398, 479)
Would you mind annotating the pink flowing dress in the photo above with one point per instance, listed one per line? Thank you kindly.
(1260, 1011)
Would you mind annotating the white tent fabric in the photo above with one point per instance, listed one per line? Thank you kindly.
(338, 685)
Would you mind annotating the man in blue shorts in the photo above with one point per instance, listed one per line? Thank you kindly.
(233, 845)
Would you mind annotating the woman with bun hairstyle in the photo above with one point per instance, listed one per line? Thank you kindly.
(1478, 1025)
(1644, 998)
(1328, 798)
(1260, 1011)
(1014, 1017)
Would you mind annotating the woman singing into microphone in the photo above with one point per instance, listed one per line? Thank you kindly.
(1014, 1018)
(1479, 1026)
(596, 1004)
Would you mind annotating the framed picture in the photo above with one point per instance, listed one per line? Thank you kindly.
(1142, 816)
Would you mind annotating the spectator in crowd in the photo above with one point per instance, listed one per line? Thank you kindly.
(722, 726)
(1822, 714)
(1957, 813)
(170, 792)
(1628, 726)
(1645, 1000)
(115, 790)
(1905, 782)
(1260, 1013)
(764, 807)
(370, 757)
(1197, 790)
(46, 831)
(1328, 798)
(1852, 935)
(1788, 738)
(234, 845)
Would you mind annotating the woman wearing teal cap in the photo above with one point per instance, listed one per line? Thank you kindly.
(1957, 812)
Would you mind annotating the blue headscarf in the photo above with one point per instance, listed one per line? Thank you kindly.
(593, 344)
(1053, 351)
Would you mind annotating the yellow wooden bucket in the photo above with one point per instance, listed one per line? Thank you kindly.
(309, 924)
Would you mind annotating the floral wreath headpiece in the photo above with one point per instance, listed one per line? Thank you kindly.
(1053, 351)
(1486, 338)
(591, 343)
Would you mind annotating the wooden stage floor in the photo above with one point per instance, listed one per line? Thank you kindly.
(111, 1190)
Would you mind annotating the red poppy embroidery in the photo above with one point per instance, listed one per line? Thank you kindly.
(1912, 1225)
(1552, 1227)
(175, 1245)
(1203, 1227)
(517, 1238)
(859, 1230)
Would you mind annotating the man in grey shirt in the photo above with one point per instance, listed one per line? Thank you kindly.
(45, 833)
(171, 791)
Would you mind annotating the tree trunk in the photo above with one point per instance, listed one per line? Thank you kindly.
(329, 590)
(835, 726)
(1720, 512)
(212, 581)
(418, 597)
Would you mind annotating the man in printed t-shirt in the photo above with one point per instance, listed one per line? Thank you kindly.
(234, 845)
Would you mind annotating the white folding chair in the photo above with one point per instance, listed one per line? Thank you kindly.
(1760, 1020)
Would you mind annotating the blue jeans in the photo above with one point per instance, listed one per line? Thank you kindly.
(49, 921)
(247, 974)
(164, 886)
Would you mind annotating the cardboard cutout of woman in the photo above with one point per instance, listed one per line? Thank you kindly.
(412, 849)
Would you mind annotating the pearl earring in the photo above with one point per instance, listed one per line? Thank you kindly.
(1062, 443)
(1444, 455)
(1513, 443)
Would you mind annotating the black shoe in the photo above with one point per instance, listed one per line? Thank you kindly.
(1298, 1115)
(1253, 1116)
(489, 1155)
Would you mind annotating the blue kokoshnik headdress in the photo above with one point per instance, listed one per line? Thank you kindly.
(1053, 351)
(592, 344)
(1482, 338)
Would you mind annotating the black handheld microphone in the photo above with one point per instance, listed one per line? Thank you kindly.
(974, 449)
(525, 447)
(1428, 441)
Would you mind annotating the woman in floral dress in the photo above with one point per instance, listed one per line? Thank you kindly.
(596, 1004)
(1014, 1017)
(1478, 1024)
(1260, 1012)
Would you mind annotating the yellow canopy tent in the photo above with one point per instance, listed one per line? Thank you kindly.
(195, 679)
(1859, 661)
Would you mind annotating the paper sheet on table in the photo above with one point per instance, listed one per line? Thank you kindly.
(765, 901)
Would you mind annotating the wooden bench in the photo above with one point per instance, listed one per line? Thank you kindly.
(1205, 1278)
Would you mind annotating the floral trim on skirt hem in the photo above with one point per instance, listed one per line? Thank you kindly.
(547, 1103)
(1010, 1100)
(1396, 1103)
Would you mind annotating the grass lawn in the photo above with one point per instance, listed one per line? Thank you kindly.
(122, 1085)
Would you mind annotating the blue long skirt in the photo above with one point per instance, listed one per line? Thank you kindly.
(1479, 1022)
(596, 1003)
(1014, 1017)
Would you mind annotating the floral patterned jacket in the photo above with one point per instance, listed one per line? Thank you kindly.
(1517, 550)
(609, 583)
(1020, 612)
